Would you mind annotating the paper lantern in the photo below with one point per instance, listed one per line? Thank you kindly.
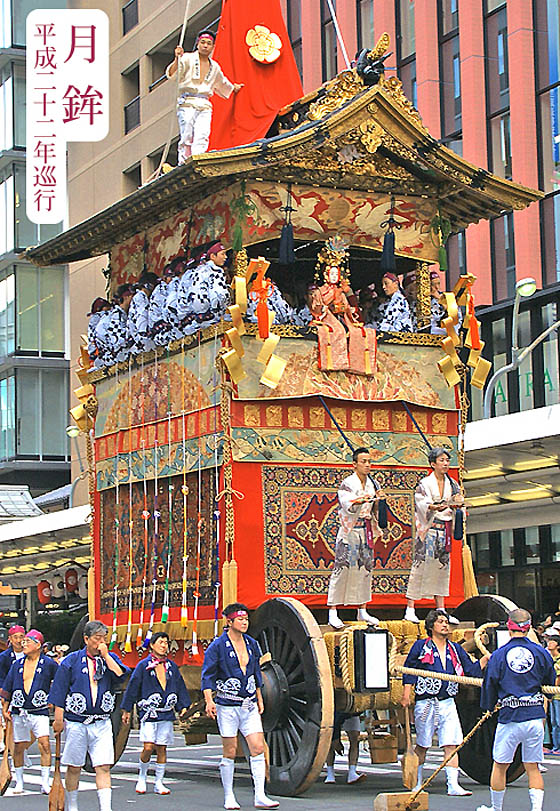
(83, 586)
(44, 592)
(57, 586)
(71, 580)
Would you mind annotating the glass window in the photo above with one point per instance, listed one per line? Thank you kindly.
(550, 213)
(7, 294)
(51, 291)
(555, 542)
(547, 48)
(28, 412)
(7, 418)
(501, 146)
(328, 42)
(20, 10)
(365, 24)
(54, 403)
(483, 550)
(525, 585)
(503, 257)
(532, 545)
(27, 302)
(408, 36)
(7, 107)
(449, 15)
(20, 105)
(294, 32)
(550, 356)
(500, 345)
(407, 75)
(491, 5)
(550, 139)
(497, 62)
(7, 214)
(525, 370)
(506, 547)
(451, 86)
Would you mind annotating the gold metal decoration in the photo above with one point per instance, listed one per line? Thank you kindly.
(264, 45)
(423, 294)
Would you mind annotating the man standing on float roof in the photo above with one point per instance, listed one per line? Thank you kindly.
(199, 77)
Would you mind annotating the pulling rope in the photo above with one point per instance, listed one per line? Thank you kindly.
(472, 681)
(128, 640)
(185, 492)
(157, 516)
(145, 515)
(199, 521)
(117, 526)
(165, 602)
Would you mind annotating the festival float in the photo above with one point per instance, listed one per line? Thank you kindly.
(215, 461)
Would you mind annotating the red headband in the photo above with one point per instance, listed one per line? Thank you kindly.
(16, 629)
(514, 626)
(235, 614)
(216, 248)
(35, 635)
(391, 276)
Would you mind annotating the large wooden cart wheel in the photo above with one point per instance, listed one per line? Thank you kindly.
(298, 694)
(475, 758)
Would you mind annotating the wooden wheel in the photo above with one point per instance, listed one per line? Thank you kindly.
(476, 757)
(298, 694)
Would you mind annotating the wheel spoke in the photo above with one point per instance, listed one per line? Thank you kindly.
(298, 689)
(294, 731)
(284, 758)
(289, 743)
(264, 643)
(295, 673)
(297, 719)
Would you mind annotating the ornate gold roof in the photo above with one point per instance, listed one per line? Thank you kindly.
(344, 135)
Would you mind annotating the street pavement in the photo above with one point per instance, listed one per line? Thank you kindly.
(193, 779)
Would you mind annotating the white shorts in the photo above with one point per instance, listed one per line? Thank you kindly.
(352, 724)
(232, 720)
(441, 716)
(159, 732)
(24, 725)
(95, 739)
(530, 734)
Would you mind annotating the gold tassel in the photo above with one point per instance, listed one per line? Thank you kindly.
(274, 371)
(480, 373)
(268, 348)
(470, 588)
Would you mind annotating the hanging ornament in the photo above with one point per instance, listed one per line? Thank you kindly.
(286, 254)
(44, 592)
(71, 580)
(388, 262)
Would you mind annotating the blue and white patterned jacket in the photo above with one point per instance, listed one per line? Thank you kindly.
(36, 701)
(221, 671)
(154, 702)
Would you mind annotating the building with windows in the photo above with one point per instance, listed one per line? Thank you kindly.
(34, 448)
(485, 77)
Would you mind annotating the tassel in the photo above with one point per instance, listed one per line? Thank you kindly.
(458, 527)
(286, 255)
(388, 264)
(237, 242)
(382, 513)
(470, 589)
(442, 258)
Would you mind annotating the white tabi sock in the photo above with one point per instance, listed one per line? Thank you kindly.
(352, 773)
(330, 778)
(334, 619)
(159, 788)
(227, 766)
(19, 778)
(45, 777)
(143, 769)
(72, 800)
(452, 776)
(497, 798)
(536, 796)
(419, 778)
(258, 770)
(104, 798)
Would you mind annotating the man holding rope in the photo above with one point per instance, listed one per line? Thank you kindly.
(514, 678)
(434, 706)
(199, 77)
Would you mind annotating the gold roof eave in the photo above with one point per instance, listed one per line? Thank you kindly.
(395, 153)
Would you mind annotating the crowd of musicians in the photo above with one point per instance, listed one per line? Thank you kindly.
(193, 294)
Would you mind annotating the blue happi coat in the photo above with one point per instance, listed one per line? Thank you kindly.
(222, 672)
(71, 689)
(36, 701)
(514, 676)
(7, 658)
(431, 686)
(154, 702)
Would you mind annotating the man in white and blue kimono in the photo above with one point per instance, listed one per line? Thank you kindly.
(16, 635)
(111, 335)
(393, 315)
(25, 701)
(437, 310)
(99, 310)
(159, 324)
(83, 695)
(158, 689)
(232, 668)
(434, 704)
(138, 323)
(514, 679)
(204, 292)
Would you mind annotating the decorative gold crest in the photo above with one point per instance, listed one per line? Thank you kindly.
(264, 46)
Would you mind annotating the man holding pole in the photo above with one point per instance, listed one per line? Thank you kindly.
(199, 78)
(514, 679)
